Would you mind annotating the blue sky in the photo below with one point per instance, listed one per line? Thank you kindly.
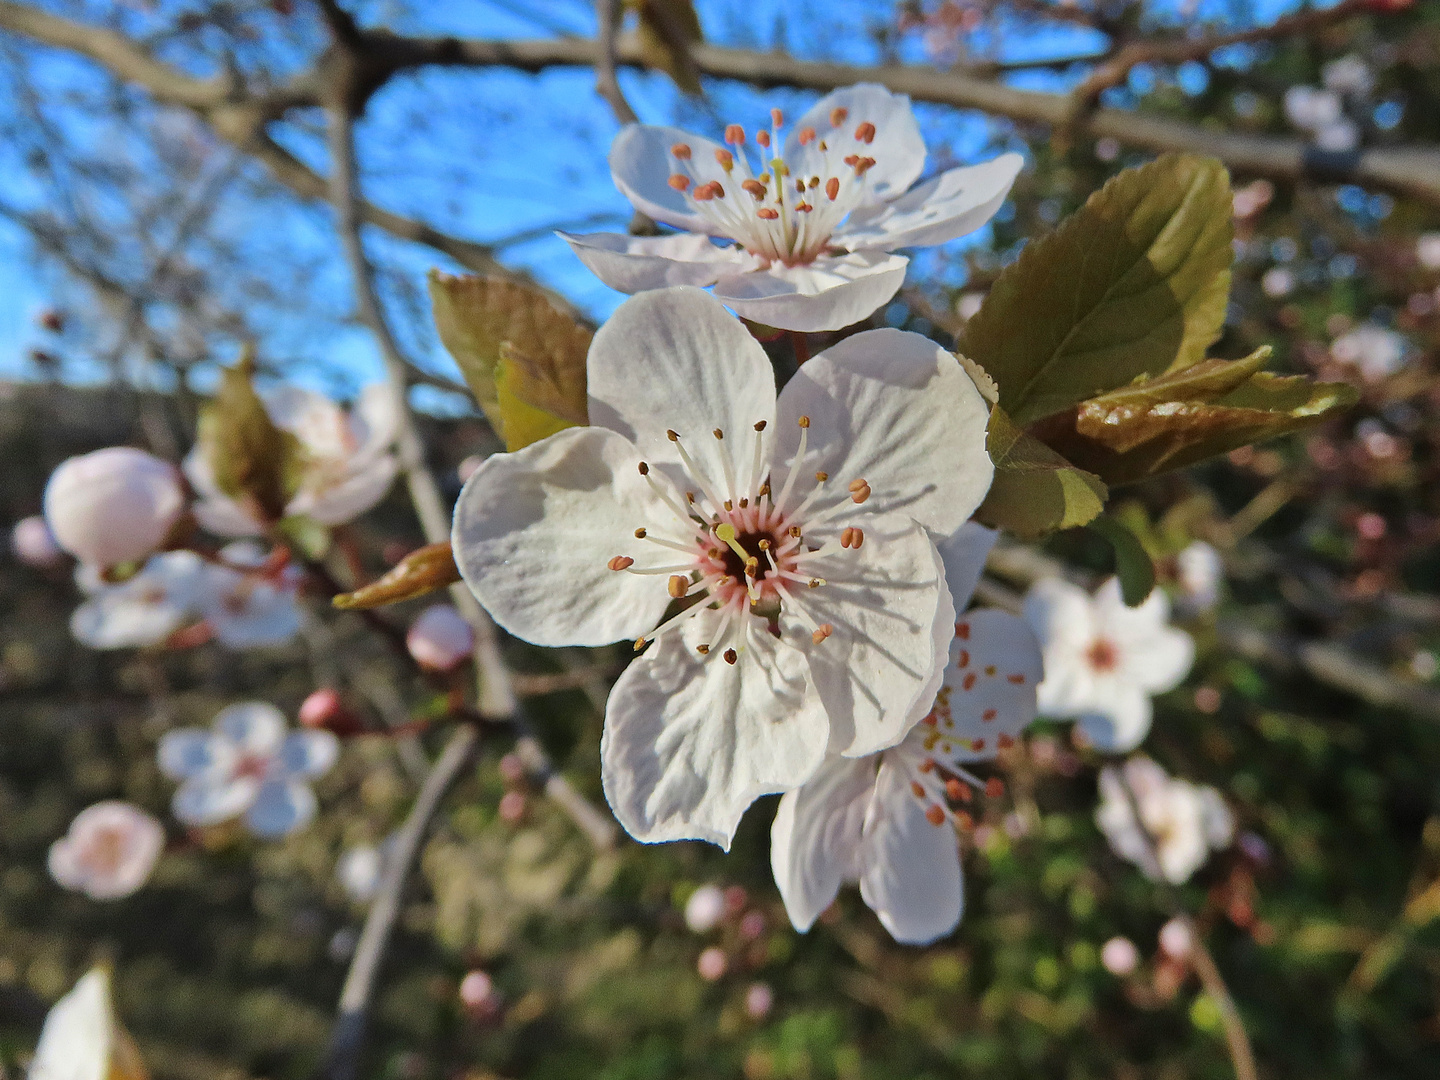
(498, 153)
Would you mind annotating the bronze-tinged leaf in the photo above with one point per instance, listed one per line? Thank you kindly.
(422, 571)
(1134, 283)
(668, 28)
(1035, 490)
(476, 316)
(1174, 421)
(253, 461)
(537, 397)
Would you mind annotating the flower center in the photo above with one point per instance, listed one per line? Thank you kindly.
(770, 211)
(1102, 655)
(106, 851)
(743, 550)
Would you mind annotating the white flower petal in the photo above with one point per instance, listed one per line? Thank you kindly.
(910, 868)
(1216, 819)
(306, 753)
(188, 752)
(255, 728)
(375, 419)
(964, 556)
(892, 620)
(124, 617)
(832, 292)
(641, 165)
(1153, 655)
(204, 800)
(217, 512)
(63, 862)
(815, 839)
(246, 612)
(361, 490)
(279, 808)
(633, 264)
(900, 412)
(898, 149)
(690, 742)
(79, 1036)
(675, 359)
(1117, 722)
(535, 530)
(994, 669)
(942, 209)
(1059, 612)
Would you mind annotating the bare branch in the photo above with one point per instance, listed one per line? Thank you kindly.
(608, 87)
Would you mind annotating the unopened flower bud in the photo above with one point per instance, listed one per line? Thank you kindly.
(1120, 956)
(33, 544)
(712, 964)
(759, 1000)
(324, 709)
(440, 638)
(704, 909)
(113, 506)
(512, 806)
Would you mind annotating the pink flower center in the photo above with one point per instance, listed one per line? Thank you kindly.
(771, 212)
(743, 550)
(1102, 655)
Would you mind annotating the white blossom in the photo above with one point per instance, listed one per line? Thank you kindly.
(440, 638)
(1103, 660)
(359, 871)
(1374, 350)
(888, 820)
(113, 506)
(800, 529)
(1278, 281)
(1185, 820)
(814, 226)
(1311, 109)
(246, 604)
(1348, 75)
(705, 909)
(108, 852)
(32, 543)
(82, 1039)
(247, 764)
(1427, 250)
(1199, 572)
(346, 464)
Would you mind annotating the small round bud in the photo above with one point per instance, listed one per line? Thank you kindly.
(325, 710)
(113, 506)
(33, 544)
(704, 909)
(759, 1000)
(1120, 956)
(712, 964)
(440, 639)
(512, 806)
(1176, 940)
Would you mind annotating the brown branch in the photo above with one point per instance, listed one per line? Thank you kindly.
(606, 84)
(1116, 69)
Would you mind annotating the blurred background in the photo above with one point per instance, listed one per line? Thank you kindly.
(146, 236)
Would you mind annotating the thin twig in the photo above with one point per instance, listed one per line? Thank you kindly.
(1236, 1038)
(607, 12)
(342, 1058)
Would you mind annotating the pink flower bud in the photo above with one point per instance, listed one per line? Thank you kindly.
(477, 990)
(1176, 941)
(512, 806)
(512, 769)
(324, 708)
(33, 543)
(113, 506)
(705, 909)
(712, 964)
(759, 1000)
(440, 638)
(1120, 956)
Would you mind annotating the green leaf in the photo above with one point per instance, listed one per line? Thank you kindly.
(1132, 563)
(1035, 490)
(668, 29)
(501, 332)
(253, 461)
(538, 396)
(1170, 422)
(307, 534)
(1134, 283)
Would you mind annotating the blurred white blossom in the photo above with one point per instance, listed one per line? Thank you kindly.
(247, 764)
(1348, 75)
(705, 909)
(32, 543)
(346, 464)
(1427, 250)
(440, 638)
(1186, 821)
(108, 852)
(1199, 573)
(1104, 660)
(1375, 351)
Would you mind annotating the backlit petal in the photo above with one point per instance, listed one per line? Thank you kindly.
(815, 840)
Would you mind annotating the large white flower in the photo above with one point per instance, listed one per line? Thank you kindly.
(346, 464)
(82, 1040)
(247, 764)
(1185, 821)
(1103, 660)
(108, 852)
(810, 607)
(887, 820)
(814, 225)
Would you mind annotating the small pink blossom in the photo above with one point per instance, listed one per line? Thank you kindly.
(33, 544)
(759, 1000)
(712, 964)
(1119, 956)
(109, 852)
